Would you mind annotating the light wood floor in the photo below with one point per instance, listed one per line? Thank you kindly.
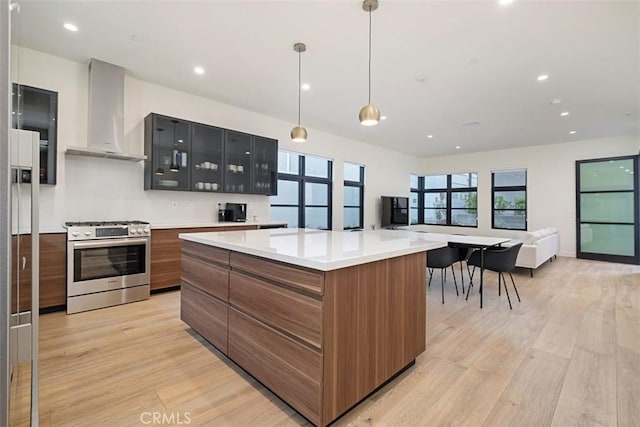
(569, 354)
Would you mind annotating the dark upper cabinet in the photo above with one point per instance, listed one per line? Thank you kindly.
(237, 162)
(265, 166)
(36, 110)
(168, 148)
(184, 155)
(207, 158)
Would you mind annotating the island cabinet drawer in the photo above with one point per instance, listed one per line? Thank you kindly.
(206, 315)
(296, 314)
(289, 369)
(207, 253)
(209, 278)
(297, 277)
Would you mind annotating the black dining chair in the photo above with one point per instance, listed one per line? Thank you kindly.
(442, 258)
(463, 256)
(501, 260)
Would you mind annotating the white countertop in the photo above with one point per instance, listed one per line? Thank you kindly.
(215, 224)
(317, 249)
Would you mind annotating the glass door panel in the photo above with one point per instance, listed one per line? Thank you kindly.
(607, 211)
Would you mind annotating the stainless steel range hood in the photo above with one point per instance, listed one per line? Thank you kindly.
(106, 114)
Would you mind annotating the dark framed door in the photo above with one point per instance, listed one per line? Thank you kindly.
(607, 209)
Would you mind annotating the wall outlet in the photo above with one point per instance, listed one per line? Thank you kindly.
(174, 204)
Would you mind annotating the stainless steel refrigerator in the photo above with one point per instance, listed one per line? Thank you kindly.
(23, 292)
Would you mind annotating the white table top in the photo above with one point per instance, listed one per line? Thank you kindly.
(476, 241)
(317, 249)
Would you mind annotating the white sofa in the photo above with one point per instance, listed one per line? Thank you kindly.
(538, 247)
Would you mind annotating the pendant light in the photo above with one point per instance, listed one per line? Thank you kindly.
(298, 133)
(369, 114)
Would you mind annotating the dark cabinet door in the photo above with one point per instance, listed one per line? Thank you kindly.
(237, 162)
(36, 110)
(207, 158)
(265, 166)
(170, 154)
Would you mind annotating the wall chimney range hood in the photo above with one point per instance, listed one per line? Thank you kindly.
(106, 114)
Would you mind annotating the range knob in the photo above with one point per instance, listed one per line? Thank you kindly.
(133, 231)
(146, 231)
(75, 234)
(87, 233)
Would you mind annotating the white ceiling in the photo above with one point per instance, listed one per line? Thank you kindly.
(436, 64)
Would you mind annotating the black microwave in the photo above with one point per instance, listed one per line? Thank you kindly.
(235, 212)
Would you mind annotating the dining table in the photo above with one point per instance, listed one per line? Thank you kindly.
(481, 243)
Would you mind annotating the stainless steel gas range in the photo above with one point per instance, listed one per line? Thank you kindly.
(107, 264)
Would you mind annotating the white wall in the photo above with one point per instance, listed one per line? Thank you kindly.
(551, 186)
(103, 189)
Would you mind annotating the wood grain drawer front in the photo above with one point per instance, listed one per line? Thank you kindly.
(294, 313)
(206, 315)
(290, 370)
(209, 278)
(297, 277)
(206, 252)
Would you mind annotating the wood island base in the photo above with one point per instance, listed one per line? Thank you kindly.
(320, 340)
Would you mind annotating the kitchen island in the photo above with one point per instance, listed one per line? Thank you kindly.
(321, 318)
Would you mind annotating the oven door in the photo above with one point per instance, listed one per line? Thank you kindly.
(96, 266)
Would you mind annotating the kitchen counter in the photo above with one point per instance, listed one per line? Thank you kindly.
(217, 224)
(317, 249)
(322, 318)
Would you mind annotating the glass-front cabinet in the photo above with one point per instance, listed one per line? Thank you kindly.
(207, 156)
(188, 156)
(169, 143)
(36, 110)
(265, 166)
(237, 162)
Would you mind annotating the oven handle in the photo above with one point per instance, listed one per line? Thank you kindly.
(109, 243)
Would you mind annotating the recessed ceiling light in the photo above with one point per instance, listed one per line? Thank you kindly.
(198, 70)
(383, 117)
(505, 2)
(564, 113)
(626, 170)
(621, 167)
(556, 101)
(572, 132)
(458, 147)
(305, 86)
(69, 26)
(429, 136)
(542, 77)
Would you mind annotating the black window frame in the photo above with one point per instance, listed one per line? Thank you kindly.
(302, 179)
(449, 191)
(358, 184)
(419, 190)
(507, 188)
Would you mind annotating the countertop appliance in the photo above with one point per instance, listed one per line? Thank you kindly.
(233, 212)
(108, 263)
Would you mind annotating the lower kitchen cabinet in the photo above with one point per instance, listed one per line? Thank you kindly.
(166, 250)
(53, 270)
(321, 341)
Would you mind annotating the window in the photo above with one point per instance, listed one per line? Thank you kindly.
(416, 186)
(450, 199)
(353, 195)
(509, 199)
(304, 191)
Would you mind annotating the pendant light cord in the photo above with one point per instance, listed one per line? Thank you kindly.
(369, 55)
(299, 83)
